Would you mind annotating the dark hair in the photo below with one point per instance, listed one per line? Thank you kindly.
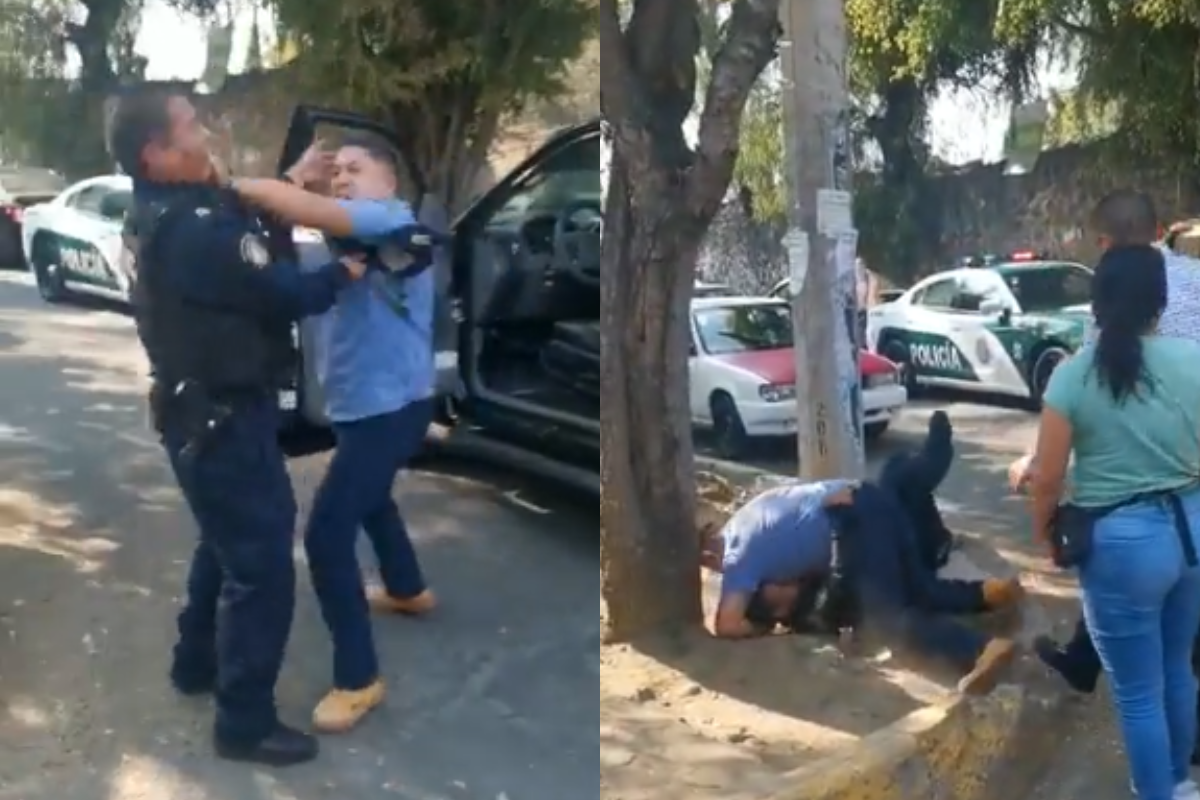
(759, 612)
(1127, 217)
(375, 148)
(140, 118)
(1129, 291)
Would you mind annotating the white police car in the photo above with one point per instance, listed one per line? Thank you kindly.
(72, 244)
(994, 325)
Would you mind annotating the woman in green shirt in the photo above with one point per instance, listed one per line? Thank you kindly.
(1129, 408)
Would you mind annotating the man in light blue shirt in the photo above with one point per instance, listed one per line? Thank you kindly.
(378, 377)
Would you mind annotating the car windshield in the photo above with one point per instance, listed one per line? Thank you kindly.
(568, 178)
(744, 328)
(1049, 287)
(16, 181)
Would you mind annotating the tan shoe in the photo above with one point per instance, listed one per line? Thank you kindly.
(383, 603)
(342, 709)
(989, 668)
(1002, 594)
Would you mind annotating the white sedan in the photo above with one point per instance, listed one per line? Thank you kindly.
(743, 373)
(73, 245)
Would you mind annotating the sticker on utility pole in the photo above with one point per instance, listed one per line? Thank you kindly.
(835, 214)
(796, 244)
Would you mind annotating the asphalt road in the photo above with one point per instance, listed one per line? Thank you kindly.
(493, 698)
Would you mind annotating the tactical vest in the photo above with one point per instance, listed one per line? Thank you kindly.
(223, 350)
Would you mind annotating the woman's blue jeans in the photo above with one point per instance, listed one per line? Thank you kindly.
(1142, 603)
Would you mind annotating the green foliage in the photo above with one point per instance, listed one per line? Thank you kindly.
(444, 73)
(1077, 117)
(933, 43)
(902, 52)
(1137, 61)
(757, 172)
(51, 119)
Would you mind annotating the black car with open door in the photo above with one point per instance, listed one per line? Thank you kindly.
(518, 339)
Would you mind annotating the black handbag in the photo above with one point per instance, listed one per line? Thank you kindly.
(1072, 534)
(1073, 528)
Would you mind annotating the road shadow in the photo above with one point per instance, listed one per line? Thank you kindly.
(493, 695)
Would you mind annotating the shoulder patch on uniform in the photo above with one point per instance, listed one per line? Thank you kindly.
(254, 251)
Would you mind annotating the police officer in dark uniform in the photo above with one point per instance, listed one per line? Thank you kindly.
(215, 315)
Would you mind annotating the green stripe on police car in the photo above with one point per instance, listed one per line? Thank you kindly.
(935, 356)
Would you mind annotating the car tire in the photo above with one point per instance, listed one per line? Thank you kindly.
(897, 352)
(873, 431)
(729, 432)
(46, 272)
(1043, 367)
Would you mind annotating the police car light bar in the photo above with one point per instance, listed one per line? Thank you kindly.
(1024, 255)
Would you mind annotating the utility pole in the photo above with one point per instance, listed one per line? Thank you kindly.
(821, 239)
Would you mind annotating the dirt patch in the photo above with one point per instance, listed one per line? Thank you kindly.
(686, 714)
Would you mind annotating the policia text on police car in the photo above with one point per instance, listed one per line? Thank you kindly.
(214, 304)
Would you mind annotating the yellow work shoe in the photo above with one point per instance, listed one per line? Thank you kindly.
(1002, 594)
(342, 709)
(991, 666)
(384, 603)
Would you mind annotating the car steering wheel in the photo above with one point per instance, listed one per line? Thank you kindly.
(577, 241)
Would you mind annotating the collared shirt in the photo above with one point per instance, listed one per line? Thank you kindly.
(379, 347)
(781, 535)
(1182, 317)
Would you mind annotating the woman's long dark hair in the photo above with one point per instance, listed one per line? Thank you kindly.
(1129, 292)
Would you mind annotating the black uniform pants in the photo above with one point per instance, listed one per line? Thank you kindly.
(900, 598)
(237, 616)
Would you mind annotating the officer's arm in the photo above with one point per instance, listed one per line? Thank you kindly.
(212, 260)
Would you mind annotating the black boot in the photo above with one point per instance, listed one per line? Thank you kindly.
(282, 747)
(1057, 658)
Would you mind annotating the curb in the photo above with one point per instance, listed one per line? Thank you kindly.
(967, 748)
(992, 748)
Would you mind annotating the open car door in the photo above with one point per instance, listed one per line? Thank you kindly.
(518, 318)
(307, 124)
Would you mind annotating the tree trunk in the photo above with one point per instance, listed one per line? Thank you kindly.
(649, 552)
(662, 195)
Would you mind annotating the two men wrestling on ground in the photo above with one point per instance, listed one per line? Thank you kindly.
(834, 555)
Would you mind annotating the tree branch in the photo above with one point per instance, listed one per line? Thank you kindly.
(751, 42)
(617, 89)
(1074, 28)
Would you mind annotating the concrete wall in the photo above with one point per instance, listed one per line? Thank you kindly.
(985, 211)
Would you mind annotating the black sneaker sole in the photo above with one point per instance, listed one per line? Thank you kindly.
(267, 758)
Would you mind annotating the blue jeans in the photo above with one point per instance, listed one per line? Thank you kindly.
(357, 491)
(1142, 604)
